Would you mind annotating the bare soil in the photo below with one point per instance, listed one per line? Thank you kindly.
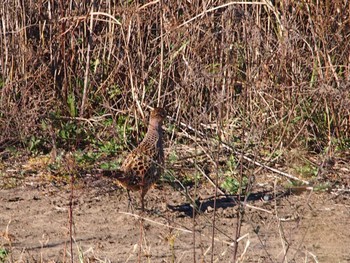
(278, 226)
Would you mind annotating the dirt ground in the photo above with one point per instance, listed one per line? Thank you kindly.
(278, 226)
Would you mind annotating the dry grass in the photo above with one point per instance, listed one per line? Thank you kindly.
(262, 77)
(281, 69)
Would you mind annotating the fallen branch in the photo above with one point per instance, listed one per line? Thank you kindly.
(226, 146)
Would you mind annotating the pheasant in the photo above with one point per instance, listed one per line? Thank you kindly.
(142, 167)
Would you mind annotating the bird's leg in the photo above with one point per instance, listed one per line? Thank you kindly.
(144, 191)
(142, 202)
(130, 201)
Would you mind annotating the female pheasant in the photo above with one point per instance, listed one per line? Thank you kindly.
(142, 167)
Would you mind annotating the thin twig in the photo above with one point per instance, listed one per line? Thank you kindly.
(87, 65)
(161, 57)
(70, 166)
(148, 4)
(105, 14)
(88, 120)
(178, 228)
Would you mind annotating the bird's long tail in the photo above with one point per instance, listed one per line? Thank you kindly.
(112, 174)
(120, 177)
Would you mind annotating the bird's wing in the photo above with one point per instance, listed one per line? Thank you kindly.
(138, 162)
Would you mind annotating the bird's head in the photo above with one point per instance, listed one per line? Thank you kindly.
(158, 114)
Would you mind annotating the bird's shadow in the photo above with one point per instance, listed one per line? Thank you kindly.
(201, 206)
(223, 202)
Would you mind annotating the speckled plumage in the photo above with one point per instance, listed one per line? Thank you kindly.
(142, 167)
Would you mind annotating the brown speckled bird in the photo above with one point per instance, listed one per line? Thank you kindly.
(142, 167)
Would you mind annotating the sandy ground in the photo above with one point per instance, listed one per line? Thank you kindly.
(34, 226)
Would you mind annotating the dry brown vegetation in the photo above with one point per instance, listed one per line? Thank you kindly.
(270, 79)
(280, 68)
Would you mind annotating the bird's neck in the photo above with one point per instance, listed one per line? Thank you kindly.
(154, 126)
(154, 138)
(154, 132)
